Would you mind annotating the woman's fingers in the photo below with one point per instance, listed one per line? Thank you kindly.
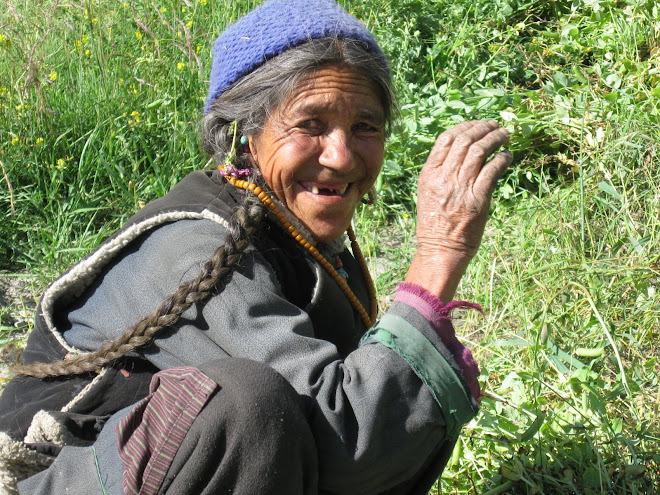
(463, 151)
(444, 143)
(471, 149)
(491, 172)
(460, 157)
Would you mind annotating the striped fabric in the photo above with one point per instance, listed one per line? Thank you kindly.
(149, 436)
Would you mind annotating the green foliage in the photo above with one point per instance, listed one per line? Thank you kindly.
(100, 103)
(568, 271)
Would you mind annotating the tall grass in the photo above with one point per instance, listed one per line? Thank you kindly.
(99, 104)
(568, 271)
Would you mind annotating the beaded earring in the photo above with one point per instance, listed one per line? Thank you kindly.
(227, 168)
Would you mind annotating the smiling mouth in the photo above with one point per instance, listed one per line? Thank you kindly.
(326, 190)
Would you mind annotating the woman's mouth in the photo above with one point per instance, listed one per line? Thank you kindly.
(325, 189)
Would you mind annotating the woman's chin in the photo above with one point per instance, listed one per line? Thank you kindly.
(327, 218)
(326, 231)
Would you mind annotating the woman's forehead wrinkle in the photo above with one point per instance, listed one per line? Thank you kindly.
(316, 103)
(371, 113)
(345, 79)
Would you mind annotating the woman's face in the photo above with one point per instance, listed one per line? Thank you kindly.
(322, 149)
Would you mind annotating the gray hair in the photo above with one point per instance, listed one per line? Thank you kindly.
(251, 100)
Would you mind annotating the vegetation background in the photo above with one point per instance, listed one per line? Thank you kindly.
(99, 105)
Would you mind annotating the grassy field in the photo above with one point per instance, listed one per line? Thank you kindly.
(99, 110)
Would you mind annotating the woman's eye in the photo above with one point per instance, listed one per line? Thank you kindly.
(312, 125)
(365, 127)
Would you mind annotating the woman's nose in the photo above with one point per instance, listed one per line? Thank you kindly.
(336, 151)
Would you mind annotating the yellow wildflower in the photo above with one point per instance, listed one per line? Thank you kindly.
(138, 35)
(135, 114)
(203, 2)
(60, 164)
(180, 66)
(198, 48)
(53, 76)
(189, 24)
(88, 52)
(2, 38)
(184, 9)
(125, 4)
(85, 38)
(14, 141)
(77, 43)
(95, 20)
(39, 140)
(163, 10)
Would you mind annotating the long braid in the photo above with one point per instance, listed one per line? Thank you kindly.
(244, 223)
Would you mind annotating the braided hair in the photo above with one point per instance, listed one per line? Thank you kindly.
(244, 108)
(244, 223)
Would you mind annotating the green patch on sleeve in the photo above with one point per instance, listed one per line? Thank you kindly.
(397, 334)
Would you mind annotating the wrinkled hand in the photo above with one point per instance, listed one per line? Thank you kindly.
(455, 187)
(453, 199)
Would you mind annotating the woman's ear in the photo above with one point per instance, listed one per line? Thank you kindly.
(252, 147)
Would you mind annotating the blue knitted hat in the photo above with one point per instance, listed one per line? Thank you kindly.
(273, 28)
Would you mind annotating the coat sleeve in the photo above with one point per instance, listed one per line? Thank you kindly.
(377, 415)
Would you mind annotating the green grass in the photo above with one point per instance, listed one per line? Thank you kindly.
(100, 103)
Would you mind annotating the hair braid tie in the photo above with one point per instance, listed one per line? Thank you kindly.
(244, 222)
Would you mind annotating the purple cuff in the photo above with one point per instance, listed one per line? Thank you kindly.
(438, 315)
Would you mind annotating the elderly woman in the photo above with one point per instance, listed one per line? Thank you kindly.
(261, 368)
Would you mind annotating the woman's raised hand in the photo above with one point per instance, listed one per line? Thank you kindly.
(453, 199)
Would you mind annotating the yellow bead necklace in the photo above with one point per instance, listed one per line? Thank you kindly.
(368, 319)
